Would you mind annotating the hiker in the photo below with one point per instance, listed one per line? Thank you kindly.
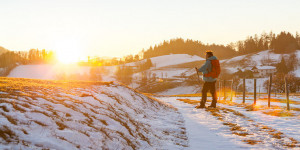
(211, 70)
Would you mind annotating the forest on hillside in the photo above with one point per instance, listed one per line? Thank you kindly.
(283, 42)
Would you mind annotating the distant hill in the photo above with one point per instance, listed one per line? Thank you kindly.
(263, 58)
(174, 69)
(3, 50)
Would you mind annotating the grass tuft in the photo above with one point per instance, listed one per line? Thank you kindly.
(61, 126)
(40, 123)
(4, 108)
(252, 142)
(7, 134)
(279, 113)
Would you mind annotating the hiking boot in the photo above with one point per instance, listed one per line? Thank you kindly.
(200, 106)
(212, 106)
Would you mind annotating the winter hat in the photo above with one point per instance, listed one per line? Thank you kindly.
(209, 52)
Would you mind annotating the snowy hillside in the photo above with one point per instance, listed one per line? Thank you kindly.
(175, 68)
(173, 59)
(44, 114)
(170, 60)
(51, 71)
(46, 71)
(267, 57)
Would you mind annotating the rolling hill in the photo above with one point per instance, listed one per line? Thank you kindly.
(174, 69)
(47, 114)
(3, 50)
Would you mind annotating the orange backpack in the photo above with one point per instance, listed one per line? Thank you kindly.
(215, 70)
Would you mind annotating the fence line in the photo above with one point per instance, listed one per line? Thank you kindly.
(222, 86)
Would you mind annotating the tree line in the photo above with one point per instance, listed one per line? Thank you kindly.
(191, 47)
(33, 56)
(283, 42)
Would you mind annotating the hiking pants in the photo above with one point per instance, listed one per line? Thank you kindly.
(209, 86)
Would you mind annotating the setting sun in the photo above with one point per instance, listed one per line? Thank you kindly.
(68, 51)
(67, 57)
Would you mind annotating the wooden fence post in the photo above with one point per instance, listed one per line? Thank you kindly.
(224, 88)
(258, 92)
(244, 89)
(236, 90)
(231, 90)
(269, 91)
(287, 93)
(219, 89)
(254, 91)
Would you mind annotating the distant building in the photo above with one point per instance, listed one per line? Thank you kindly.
(263, 71)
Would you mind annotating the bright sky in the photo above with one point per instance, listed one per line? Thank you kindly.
(122, 27)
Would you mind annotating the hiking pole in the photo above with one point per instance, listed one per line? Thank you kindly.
(197, 74)
(198, 78)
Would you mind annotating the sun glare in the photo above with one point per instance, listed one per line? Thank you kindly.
(68, 51)
(67, 57)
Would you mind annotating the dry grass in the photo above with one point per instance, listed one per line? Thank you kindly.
(7, 134)
(11, 119)
(279, 100)
(241, 133)
(39, 123)
(252, 142)
(189, 101)
(16, 86)
(279, 113)
(4, 108)
(293, 143)
(187, 95)
(277, 135)
(273, 110)
(295, 109)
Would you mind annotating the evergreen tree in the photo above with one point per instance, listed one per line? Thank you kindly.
(285, 43)
(124, 74)
(282, 67)
(292, 62)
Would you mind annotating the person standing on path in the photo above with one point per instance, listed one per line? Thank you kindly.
(211, 70)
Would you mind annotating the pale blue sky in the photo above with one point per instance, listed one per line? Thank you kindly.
(118, 28)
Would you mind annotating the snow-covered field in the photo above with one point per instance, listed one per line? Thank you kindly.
(170, 60)
(174, 59)
(181, 90)
(44, 114)
(52, 71)
(47, 71)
